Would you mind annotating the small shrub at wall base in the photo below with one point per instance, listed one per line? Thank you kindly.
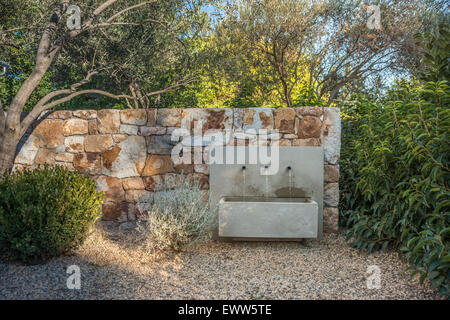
(46, 212)
(178, 219)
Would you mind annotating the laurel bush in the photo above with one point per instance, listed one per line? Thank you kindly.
(395, 173)
(395, 167)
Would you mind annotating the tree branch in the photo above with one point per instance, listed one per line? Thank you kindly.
(44, 44)
(14, 29)
(110, 24)
(43, 104)
(43, 62)
(87, 91)
(9, 44)
(73, 33)
(89, 26)
(128, 9)
(84, 81)
(2, 120)
(40, 106)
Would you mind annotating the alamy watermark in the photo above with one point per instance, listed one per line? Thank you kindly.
(74, 280)
(74, 19)
(4, 68)
(373, 281)
(374, 21)
(248, 146)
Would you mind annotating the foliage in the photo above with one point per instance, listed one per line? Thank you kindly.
(12, 83)
(17, 48)
(307, 96)
(177, 219)
(46, 212)
(293, 48)
(256, 53)
(150, 48)
(395, 173)
(436, 58)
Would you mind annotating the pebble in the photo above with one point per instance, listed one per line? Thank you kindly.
(113, 265)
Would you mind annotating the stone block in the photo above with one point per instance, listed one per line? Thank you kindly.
(108, 121)
(59, 114)
(74, 144)
(75, 126)
(330, 220)
(331, 135)
(85, 114)
(50, 133)
(45, 156)
(92, 126)
(112, 188)
(113, 211)
(168, 117)
(64, 157)
(87, 162)
(238, 118)
(128, 129)
(127, 159)
(157, 164)
(309, 111)
(184, 168)
(133, 116)
(28, 151)
(309, 127)
(154, 183)
(331, 173)
(284, 119)
(133, 183)
(151, 117)
(98, 143)
(331, 195)
(161, 145)
(258, 118)
(219, 119)
(149, 131)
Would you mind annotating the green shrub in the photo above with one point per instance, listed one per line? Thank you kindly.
(395, 168)
(395, 173)
(177, 219)
(46, 212)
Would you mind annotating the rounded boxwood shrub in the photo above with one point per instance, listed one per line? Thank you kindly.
(46, 212)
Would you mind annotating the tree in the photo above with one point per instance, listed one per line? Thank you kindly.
(142, 58)
(56, 46)
(325, 46)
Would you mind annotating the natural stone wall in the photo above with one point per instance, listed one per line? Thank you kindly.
(128, 151)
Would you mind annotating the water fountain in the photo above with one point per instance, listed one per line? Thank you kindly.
(256, 203)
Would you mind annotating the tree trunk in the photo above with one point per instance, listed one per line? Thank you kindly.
(12, 129)
(8, 145)
(287, 95)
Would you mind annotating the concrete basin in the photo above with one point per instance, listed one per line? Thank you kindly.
(271, 218)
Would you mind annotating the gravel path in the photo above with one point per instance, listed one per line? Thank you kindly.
(114, 267)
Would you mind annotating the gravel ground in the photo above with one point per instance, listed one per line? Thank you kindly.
(114, 267)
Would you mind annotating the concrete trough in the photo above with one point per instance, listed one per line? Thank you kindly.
(280, 218)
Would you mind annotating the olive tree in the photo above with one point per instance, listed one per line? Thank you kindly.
(327, 45)
(39, 31)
